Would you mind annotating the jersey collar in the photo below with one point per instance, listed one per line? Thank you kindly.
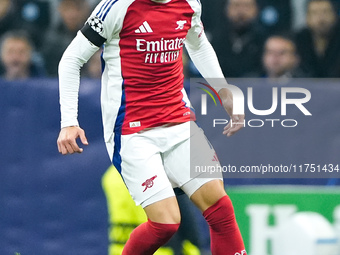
(161, 1)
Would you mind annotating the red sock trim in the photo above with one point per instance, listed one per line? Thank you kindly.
(148, 237)
(217, 205)
(163, 230)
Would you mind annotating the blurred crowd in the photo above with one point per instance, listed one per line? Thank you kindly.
(267, 38)
(277, 39)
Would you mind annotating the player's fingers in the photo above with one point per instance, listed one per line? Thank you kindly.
(227, 128)
(234, 129)
(74, 146)
(235, 125)
(63, 150)
(61, 147)
(69, 148)
(83, 138)
(229, 132)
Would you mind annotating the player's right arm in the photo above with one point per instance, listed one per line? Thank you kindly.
(78, 52)
(83, 46)
(99, 28)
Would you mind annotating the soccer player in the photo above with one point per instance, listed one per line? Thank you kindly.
(146, 114)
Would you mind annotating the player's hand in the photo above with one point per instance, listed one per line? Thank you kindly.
(67, 140)
(236, 121)
(231, 129)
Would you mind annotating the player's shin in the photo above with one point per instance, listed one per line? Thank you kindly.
(225, 235)
(148, 237)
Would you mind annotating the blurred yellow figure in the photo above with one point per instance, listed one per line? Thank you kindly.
(124, 216)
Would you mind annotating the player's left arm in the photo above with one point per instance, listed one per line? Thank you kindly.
(204, 57)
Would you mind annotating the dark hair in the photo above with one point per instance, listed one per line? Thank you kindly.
(17, 34)
(285, 36)
(255, 1)
(77, 2)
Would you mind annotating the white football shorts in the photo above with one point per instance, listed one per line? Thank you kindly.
(156, 160)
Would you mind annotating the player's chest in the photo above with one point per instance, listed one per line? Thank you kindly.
(152, 22)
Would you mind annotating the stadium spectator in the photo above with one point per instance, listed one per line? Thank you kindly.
(32, 16)
(239, 40)
(319, 43)
(16, 57)
(280, 59)
(73, 15)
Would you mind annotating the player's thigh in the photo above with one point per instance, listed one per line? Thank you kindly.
(180, 162)
(142, 170)
(203, 156)
(164, 211)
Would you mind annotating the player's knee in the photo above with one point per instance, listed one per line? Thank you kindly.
(169, 217)
(176, 218)
(164, 211)
(208, 194)
(221, 215)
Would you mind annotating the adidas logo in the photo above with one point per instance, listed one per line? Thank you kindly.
(135, 124)
(144, 28)
(215, 158)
